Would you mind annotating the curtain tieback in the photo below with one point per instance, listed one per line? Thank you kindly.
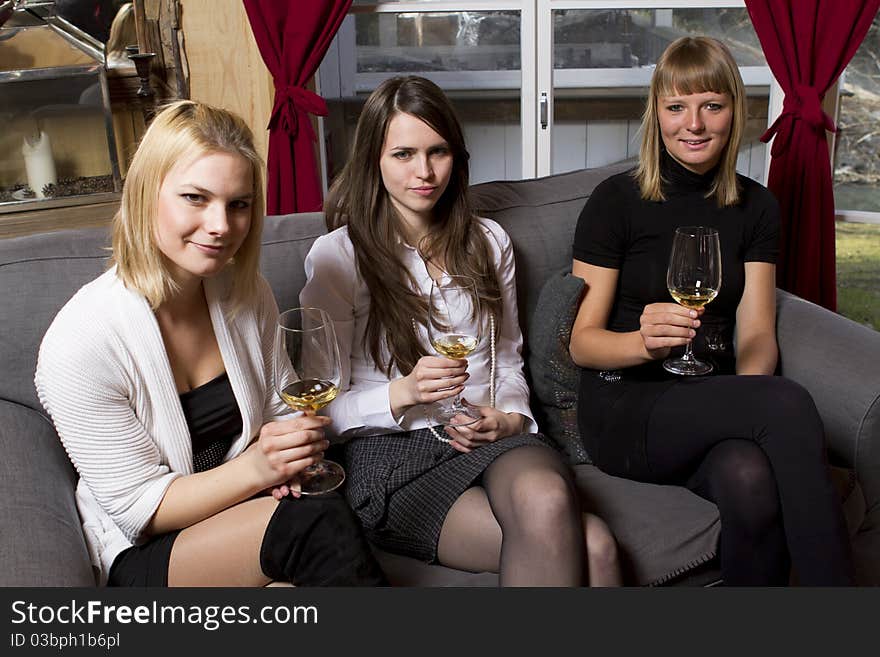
(290, 101)
(802, 103)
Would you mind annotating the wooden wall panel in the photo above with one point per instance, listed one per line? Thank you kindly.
(225, 66)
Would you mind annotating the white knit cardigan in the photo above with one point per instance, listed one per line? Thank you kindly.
(104, 378)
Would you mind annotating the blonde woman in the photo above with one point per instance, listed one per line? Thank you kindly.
(157, 376)
(748, 441)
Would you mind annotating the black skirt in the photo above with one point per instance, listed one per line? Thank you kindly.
(144, 565)
(402, 485)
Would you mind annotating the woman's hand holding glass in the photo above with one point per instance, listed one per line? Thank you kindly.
(432, 380)
(285, 448)
(663, 326)
(494, 425)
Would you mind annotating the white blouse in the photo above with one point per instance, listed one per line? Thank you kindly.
(363, 407)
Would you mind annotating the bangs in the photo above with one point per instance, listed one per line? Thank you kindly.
(691, 72)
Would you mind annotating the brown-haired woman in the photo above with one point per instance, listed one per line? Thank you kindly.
(751, 444)
(158, 378)
(493, 496)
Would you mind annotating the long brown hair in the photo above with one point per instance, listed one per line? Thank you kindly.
(358, 199)
(692, 65)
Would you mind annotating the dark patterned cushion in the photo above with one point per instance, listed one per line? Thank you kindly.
(554, 376)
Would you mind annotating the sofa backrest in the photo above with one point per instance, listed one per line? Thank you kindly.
(540, 216)
(39, 273)
(286, 241)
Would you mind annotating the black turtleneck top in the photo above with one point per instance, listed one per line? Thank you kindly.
(619, 230)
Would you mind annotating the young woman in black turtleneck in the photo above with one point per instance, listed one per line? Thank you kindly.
(753, 445)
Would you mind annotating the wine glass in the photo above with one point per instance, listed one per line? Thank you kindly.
(454, 329)
(693, 279)
(306, 375)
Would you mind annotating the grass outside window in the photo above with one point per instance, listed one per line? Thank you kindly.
(858, 272)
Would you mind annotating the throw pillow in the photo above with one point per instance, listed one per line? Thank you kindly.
(554, 376)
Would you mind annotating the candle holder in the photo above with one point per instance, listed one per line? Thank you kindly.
(142, 63)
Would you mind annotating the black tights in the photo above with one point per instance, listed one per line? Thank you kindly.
(534, 500)
(737, 477)
(754, 445)
(524, 522)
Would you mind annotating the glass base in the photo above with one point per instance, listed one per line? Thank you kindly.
(454, 415)
(321, 478)
(687, 366)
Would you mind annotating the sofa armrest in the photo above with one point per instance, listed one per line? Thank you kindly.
(41, 543)
(838, 362)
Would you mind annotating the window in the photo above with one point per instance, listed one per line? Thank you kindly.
(857, 184)
(474, 54)
(541, 86)
(857, 167)
(603, 59)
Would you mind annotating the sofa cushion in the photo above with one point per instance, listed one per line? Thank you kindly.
(554, 376)
(406, 571)
(41, 543)
(663, 532)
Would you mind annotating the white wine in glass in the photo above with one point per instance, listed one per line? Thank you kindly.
(455, 346)
(306, 374)
(693, 279)
(309, 395)
(454, 329)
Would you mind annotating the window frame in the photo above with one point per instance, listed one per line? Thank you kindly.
(536, 75)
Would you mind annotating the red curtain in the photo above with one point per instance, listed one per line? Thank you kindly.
(807, 43)
(293, 36)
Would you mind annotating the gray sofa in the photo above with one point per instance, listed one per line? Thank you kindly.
(667, 535)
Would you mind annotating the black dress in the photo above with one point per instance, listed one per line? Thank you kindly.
(214, 421)
(619, 230)
(312, 541)
(753, 445)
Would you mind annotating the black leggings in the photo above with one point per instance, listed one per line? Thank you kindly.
(754, 445)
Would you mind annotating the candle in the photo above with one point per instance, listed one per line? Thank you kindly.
(39, 163)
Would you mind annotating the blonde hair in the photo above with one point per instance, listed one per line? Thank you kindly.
(183, 130)
(122, 33)
(692, 65)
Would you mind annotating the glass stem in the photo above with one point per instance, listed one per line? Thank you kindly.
(689, 350)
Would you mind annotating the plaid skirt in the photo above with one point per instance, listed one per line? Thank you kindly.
(402, 485)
